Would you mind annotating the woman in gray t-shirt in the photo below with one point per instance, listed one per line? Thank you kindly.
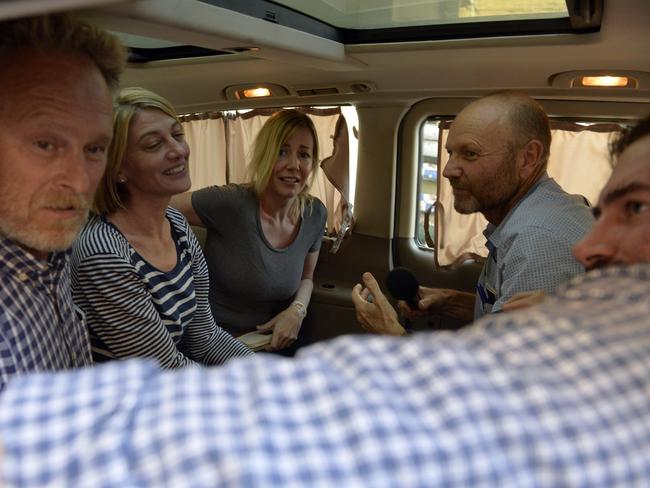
(263, 238)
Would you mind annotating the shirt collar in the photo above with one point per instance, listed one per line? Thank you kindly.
(493, 232)
(19, 262)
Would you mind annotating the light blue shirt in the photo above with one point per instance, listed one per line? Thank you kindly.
(531, 249)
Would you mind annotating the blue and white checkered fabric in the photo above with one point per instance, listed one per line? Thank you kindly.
(558, 395)
(39, 328)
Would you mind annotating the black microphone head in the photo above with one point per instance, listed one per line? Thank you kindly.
(403, 285)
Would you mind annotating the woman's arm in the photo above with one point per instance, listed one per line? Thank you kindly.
(183, 203)
(286, 324)
(303, 294)
(208, 343)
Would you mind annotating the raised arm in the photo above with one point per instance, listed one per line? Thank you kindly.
(183, 203)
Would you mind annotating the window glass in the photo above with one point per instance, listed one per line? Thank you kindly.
(428, 175)
(407, 13)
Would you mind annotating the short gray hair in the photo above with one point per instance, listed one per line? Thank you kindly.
(527, 119)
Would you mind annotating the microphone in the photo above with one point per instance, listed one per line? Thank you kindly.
(403, 285)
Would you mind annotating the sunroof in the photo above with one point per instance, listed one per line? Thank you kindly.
(373, 14)
(380, 21)
(356, 22)
(144, 49)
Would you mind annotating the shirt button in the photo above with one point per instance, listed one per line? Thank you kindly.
(23, 276)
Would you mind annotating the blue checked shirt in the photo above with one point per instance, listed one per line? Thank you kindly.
(553, 396)
(39, 327)
(531, 249)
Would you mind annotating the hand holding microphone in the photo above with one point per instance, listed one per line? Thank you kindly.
(416, 301)
(403, 285)
(375, 314)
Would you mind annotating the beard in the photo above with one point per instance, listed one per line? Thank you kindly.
(32, 228)
(493, 192)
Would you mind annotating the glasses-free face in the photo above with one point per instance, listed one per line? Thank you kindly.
(293, 166)
(55, 128)
(156, 159)
(481, 169)
(621, 233)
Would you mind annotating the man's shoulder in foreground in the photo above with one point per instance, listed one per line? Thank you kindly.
(562, 385)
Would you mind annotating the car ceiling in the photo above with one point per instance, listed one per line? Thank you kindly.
(404, 72)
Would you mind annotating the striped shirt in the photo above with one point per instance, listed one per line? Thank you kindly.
(39, 327)
(554, 396)
(136, 310)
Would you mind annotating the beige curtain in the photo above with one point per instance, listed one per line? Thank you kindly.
(206, 138)
(241, 134)
(579, 162)
(221, 149)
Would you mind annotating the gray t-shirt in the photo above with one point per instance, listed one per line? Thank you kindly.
(250, 280)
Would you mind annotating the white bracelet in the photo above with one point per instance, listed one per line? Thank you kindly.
(300, 307)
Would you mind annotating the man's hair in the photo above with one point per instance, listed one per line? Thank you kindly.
(111, 195)
(66, 33)
(527, 119)
(277, 130)
(629, 136)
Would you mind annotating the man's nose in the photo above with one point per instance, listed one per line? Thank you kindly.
(75, 171)
(451, 169)
(598, 248)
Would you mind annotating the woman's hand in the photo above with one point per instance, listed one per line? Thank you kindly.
(285, 327)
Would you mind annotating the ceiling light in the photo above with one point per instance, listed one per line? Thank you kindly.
(256, 92)
(604, 81)
(601, 79)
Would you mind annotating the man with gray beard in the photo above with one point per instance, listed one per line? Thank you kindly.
(55, 128)
(498, 150)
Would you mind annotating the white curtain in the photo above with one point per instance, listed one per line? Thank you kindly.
(206, 139)
(579, 162)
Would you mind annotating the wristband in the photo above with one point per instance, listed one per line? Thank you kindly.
(300, 308)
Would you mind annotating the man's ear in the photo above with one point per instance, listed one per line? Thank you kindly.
(530, 156)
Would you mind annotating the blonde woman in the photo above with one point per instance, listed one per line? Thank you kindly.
(263, 238)
(138, 271)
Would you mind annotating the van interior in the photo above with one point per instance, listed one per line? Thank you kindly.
(389, 76)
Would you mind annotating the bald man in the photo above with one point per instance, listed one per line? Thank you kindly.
(498, 150)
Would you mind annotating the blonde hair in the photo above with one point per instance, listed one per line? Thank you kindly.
(277, 130)
(66, 33)
(111, 195)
